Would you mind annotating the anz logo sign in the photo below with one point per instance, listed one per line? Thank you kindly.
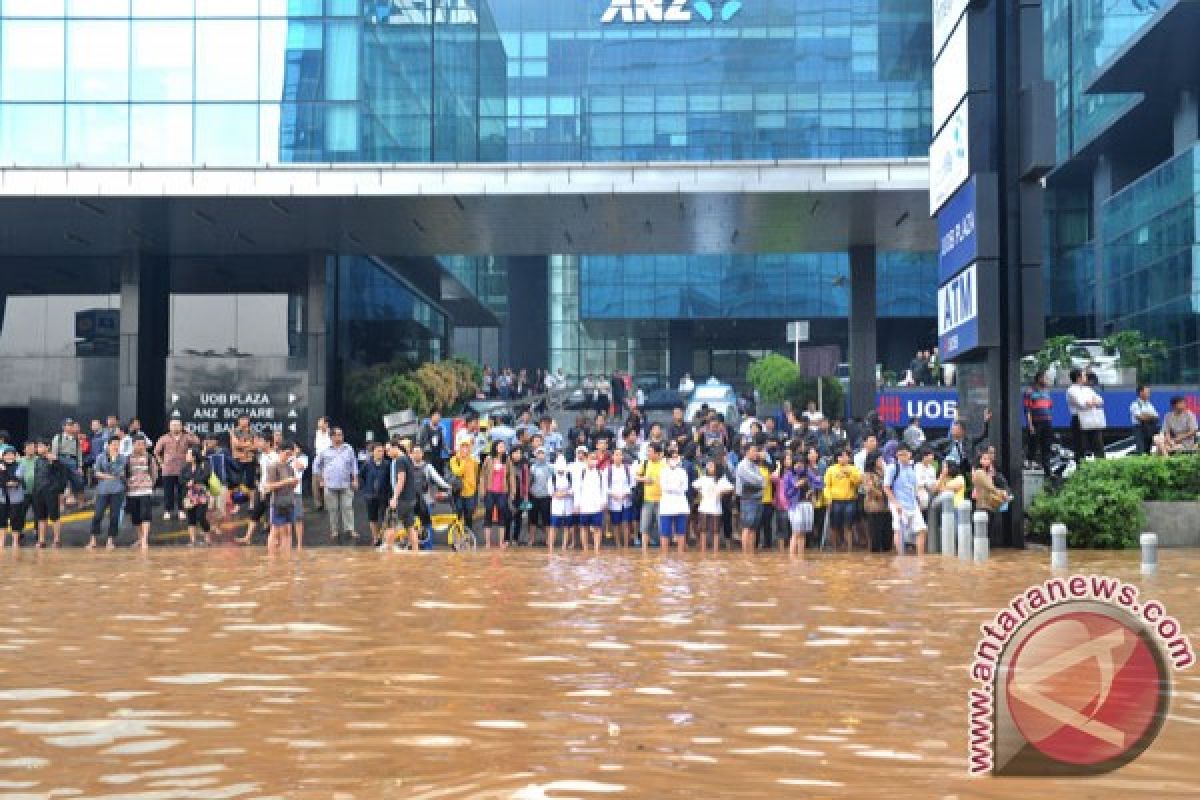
(637, 11)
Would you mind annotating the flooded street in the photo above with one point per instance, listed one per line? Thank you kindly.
(340, 674)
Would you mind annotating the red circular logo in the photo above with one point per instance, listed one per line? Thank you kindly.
(1085, 688)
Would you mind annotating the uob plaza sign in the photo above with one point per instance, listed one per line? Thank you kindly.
(638, 11)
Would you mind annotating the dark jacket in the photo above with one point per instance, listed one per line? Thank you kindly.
(51, 477)
(376, 479)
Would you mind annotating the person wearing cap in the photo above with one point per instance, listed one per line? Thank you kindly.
(465, 468)
(562, 503)
(540, 476)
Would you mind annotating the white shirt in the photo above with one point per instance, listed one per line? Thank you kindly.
(1081, 398)
(744, 428)
(590, 494)
(265, 460)
(620, 486)
(322, 442)
(674, 484)
(299, 467)
(710, 490)
(562, 502)
(860, 459)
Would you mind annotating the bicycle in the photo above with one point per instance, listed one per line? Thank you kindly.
(445, 519)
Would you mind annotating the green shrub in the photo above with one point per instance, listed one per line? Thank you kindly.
(1101, 504)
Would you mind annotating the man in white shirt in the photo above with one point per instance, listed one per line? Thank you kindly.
(1087, 417)
(575, 469)
(673, 509)
(1143, 416)
(322, 441)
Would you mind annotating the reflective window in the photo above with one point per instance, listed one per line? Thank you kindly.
(98, 8)
(97, 135)
(164, 8)
(161, 134)
(97, 60)
(226, 60)
(33, 8)
(162, 60)
(226, 8)
(33, 60)
(31, 134)
(226, 135)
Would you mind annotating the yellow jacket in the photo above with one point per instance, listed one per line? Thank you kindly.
(841, 483)
(467, 471)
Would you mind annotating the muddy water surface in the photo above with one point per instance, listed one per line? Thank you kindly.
(226, 674)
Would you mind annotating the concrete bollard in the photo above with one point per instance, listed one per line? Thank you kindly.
(964, 530)
(1149, 542)
(981, 536)
(1058, 546)
(949, 532)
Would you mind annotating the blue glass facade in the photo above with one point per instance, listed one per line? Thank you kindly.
(1081, 35)
(234, 82)
(1121, 247)
(253, 82)
(800, 286)
(1152, 254)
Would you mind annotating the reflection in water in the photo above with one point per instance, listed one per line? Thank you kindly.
(216, 674)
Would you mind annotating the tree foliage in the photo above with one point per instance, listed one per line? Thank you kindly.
(1101, 504)
(1137, 352)
(774, 377)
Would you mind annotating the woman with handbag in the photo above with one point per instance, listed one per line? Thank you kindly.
(988, 496)
(193, 485)
(875, 506)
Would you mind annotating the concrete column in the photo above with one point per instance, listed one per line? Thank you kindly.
(528, 329)
(127, 382)
(863, 319)
(680, 351)
(145, 321)
(316, 324)
(1186, 130)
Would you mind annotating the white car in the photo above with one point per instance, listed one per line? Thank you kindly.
(719, 397)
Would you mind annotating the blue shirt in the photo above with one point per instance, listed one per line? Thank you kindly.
(111, 467)
(337, 466)
(903, 482)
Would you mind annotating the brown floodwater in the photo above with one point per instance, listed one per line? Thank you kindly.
(349, 674)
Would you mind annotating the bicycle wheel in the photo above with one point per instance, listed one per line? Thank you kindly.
(454, 535)
(469, 542)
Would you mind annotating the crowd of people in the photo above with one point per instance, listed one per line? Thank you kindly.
(788, 482)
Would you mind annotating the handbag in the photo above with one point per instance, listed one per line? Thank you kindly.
(1092, 419)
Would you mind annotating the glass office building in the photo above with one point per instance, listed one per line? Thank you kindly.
(1122, 204)
(165, 84)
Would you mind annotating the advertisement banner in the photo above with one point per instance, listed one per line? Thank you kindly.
(938, 406)
(958, 314)
(950, 73)
(949, 158)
